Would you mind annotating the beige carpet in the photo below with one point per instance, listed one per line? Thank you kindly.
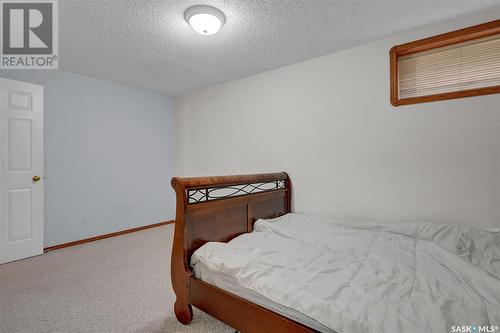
(120, 284)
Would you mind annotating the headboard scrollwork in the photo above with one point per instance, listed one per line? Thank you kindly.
(198, 195)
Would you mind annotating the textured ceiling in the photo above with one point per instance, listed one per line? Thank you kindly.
(148, 44)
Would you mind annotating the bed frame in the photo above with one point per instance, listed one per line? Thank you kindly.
(219, 209)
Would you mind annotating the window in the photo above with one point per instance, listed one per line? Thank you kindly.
(457, 64)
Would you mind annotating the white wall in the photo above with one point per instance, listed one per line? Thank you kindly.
(350, 154)
(108, 155)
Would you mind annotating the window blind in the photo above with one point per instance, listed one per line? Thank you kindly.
(463, 66)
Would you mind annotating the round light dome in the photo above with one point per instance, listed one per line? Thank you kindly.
(205, 20)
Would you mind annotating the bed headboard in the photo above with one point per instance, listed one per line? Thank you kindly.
(219, 209)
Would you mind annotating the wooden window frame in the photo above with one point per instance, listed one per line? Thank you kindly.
(449, 38)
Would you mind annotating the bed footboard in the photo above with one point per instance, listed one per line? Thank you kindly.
(218, 209)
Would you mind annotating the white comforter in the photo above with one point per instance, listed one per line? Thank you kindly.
(368, 277)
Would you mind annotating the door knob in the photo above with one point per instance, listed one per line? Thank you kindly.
(36, 178)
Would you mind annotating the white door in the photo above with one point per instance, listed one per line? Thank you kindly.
(21, 170)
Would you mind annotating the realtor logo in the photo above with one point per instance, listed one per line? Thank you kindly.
(29, 34)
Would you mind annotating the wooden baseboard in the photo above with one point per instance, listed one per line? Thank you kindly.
(113, 234)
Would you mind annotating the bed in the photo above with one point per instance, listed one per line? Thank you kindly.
(240, 255)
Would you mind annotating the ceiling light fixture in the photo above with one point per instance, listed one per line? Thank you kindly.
(205, 20)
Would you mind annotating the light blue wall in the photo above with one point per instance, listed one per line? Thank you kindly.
(108, 155)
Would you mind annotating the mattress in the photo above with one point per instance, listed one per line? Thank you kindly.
(230, 284)
(362, 277)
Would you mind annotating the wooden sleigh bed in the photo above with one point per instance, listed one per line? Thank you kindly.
(219, 209)
(296, 264)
